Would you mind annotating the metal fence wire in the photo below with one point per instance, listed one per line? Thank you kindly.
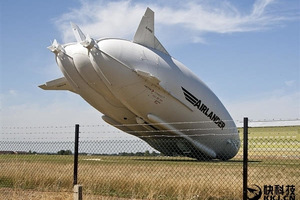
(114, 164)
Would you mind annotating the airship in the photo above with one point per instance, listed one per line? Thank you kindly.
(142, 90)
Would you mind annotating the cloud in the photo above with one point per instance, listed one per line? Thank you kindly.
(267, 107)
(120, 18)
(219, 18)
(55, 122)
(56, 113)
(290, 83)
(64, 108)
(13, 92)
(102, 19)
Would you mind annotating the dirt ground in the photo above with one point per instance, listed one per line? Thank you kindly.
(11, 194)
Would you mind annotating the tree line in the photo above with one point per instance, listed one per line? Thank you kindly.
(146, 153)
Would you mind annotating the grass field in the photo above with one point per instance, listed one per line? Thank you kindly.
(273, 160)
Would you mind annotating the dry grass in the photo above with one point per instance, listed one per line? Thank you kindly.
(160, 180)
(17, 194)
(140, 177)
(127, 177)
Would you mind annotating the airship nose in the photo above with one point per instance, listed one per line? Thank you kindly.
(108, 68)
(75, 64)
(81, 57)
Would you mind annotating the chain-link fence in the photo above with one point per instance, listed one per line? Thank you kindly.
(115, 164)
(274, 164)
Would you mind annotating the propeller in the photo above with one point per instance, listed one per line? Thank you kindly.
(56, 47)
(89, 43)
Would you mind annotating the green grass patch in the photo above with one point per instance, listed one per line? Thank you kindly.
(6, 182)
(283, 132)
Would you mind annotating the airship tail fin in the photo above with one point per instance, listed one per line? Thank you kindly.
(79, 35)
(57, 84)
(145, 33)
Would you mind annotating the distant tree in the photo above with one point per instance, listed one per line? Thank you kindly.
(147, 153)
(32, 152)
(64, 152)
(155, 153)
(68, 152)
(61, 152)
(139, 154)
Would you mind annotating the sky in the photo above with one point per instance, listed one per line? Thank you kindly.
(247, 52)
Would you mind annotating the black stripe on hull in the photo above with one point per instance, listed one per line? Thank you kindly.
(188, 96)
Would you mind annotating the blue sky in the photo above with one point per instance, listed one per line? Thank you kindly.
(248, 53)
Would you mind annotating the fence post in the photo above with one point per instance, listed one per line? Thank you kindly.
(77, 192)
(76, 154)
(245, 159)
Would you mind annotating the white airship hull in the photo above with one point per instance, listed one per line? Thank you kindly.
(134, 83)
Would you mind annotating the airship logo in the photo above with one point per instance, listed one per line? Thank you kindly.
(203, 108)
